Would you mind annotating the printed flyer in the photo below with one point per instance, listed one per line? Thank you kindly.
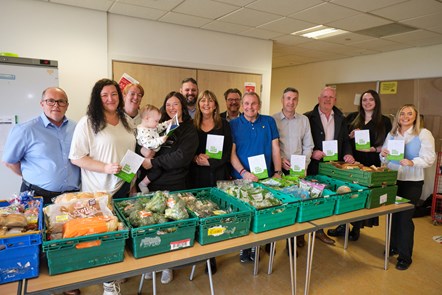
(258, 166)
(214, 146)
(330, 148)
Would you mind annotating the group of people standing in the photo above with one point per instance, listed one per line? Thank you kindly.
(54, 155)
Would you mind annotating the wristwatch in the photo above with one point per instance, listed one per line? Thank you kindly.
(278, 172)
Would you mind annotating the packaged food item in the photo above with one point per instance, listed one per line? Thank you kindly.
(176, 208)
(315, 189)
(84, 226)
(16, 220)
(60, 213)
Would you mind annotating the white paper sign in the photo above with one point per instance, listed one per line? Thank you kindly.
(130, 164)
(396, 148)
(258, 166)
(330, 148)
(362, 139)
(297, 165)
(383, 199)
(214, 146)
(6, 124)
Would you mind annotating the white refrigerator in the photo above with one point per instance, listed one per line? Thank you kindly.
(22, 81)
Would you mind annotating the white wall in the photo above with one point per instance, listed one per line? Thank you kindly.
(76, 38)
(309, 79)
(79, 40)
(138, 40)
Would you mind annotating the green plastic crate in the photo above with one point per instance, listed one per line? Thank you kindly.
(159, 238)
(66, 255)
(361, 177)
(273, 217)
(311, 209)
(379, 196)
(221, 227)
(345, 202)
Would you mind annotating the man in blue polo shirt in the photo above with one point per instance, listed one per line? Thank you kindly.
(38, 150)
(253, 135)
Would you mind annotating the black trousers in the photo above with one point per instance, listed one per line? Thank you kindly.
(402, 227)
(38, 191)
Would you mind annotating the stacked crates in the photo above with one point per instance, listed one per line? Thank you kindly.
(381, 185)
(20, 253)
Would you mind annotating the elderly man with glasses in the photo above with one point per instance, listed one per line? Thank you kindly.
(38, 150)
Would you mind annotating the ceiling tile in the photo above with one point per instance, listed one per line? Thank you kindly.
(348, 38)
(409, 9)
(226, 27)
(276, 19)
(413, 37)
(208, 9)
(375, 43)
(290, 40)
(287, 25)
(424, 22)
(137, 11)
(324, 13)
(436, 29)
(249, 17)
(261, 34)
(162, 5)
(102, 5)
(185, 20)
(366, 5)
(282, 7)
(358, 22)
(241, 3)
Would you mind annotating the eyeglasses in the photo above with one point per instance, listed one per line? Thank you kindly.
(233, 99)
(51, 102)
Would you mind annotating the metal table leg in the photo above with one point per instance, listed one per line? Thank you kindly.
(256, 262)
(209, 270)
(272, 256)
(292, 280)
(388, 220)
(154, 283)
(310, 249)
(347, 227)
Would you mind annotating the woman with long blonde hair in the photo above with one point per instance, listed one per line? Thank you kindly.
(419, 153)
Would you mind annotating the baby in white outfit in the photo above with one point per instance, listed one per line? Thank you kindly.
(148, 135)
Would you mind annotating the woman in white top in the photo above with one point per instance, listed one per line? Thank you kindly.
(101, 139)
(419, 153)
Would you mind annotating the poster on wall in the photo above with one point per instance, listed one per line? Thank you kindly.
(249, 87)
(388, 88)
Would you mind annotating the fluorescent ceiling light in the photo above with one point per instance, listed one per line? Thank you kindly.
(319, 32)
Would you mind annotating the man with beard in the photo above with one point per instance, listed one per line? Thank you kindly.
(233, 99)
(189, 88)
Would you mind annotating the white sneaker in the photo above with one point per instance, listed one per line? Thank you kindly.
(111, 288)
(167, 276)
(148, 275)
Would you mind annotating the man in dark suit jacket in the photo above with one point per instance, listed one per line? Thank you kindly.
(233, 103)
(327, 122)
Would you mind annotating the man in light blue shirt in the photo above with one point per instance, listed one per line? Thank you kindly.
(38, 150)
